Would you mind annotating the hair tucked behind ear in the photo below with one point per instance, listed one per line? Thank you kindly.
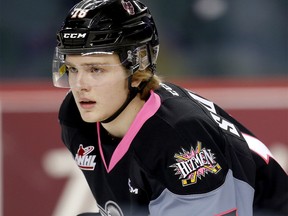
(153, 82)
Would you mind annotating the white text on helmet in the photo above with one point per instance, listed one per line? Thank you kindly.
(74, 35)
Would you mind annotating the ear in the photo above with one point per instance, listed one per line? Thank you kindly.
(135, 83)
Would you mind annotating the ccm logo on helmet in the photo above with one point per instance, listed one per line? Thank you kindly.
(74, 35)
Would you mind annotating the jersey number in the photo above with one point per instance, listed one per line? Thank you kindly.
(79, 13)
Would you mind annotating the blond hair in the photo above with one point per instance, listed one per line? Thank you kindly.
(153, 82)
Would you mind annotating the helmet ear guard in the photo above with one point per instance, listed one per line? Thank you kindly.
(140, 58)
(148, 57)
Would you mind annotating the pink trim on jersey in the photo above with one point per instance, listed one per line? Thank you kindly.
(234, 211)
(258, 147)
(100, 146)
(148, 110)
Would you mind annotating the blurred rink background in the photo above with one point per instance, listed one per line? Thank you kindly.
(232, 52)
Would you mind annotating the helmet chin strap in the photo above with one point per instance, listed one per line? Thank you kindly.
(132, 94)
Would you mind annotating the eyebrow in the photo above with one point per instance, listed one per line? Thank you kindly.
(87, 64)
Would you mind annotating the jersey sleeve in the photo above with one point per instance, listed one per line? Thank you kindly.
(271, 181)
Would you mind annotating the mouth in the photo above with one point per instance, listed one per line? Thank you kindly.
(87, 104)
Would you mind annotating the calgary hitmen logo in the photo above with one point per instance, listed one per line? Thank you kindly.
(83, 159)
(195, 164)
(128, 7)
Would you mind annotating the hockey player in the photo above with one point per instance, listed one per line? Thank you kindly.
(147, 147)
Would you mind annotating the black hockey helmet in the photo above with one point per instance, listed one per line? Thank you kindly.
(125, 27)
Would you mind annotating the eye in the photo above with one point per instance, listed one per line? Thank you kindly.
(96, 70)
(71, 69)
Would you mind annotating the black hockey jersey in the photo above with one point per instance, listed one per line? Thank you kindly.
(183, 155)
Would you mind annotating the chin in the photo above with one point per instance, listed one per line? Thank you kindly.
(89, 119)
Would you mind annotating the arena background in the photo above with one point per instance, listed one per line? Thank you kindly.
(232, 52)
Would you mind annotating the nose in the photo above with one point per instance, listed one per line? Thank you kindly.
(82, 81)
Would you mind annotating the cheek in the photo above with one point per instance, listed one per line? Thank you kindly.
(117, 93)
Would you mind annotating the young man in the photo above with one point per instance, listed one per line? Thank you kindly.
(148, 147)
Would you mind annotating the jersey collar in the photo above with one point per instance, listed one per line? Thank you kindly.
(147, 111)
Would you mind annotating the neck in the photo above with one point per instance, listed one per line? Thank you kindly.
(120, 125)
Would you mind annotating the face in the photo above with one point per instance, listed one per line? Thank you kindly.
(98, 83)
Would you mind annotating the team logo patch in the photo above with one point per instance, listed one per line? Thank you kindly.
(83, 159)
(128, 7)
(195, 164)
